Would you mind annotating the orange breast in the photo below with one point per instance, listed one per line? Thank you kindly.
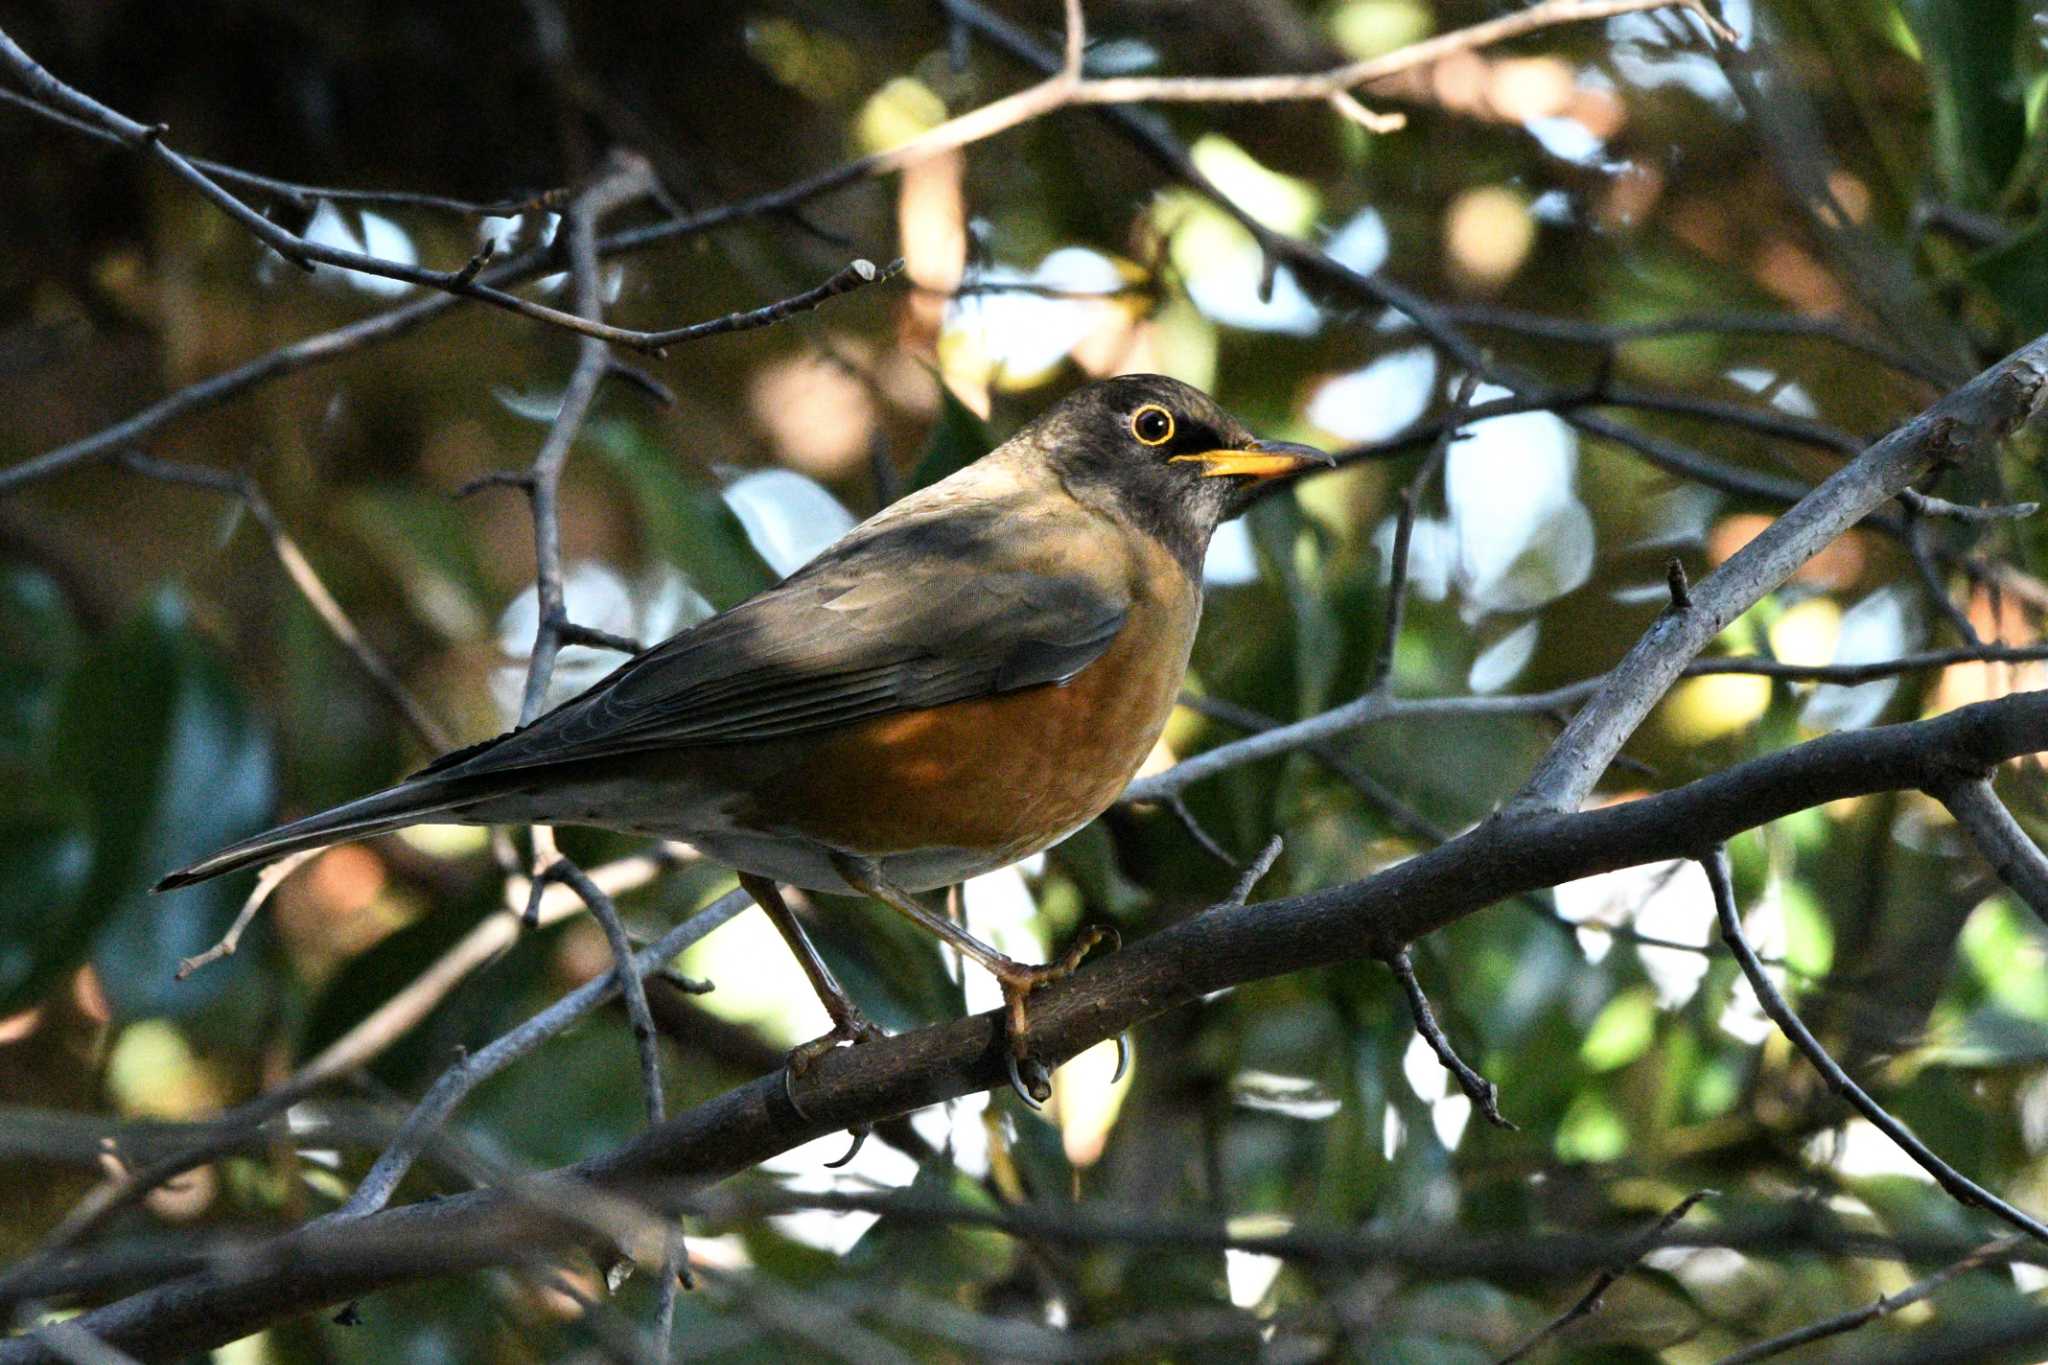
(1008, 774)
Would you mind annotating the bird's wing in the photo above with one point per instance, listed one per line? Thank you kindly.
(865, 633)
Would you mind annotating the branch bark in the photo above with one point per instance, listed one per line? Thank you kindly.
(1225, 947)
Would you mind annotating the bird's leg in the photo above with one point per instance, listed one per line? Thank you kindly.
(849, 1025)
(1017, 979)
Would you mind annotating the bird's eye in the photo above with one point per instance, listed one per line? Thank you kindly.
(1152, 425)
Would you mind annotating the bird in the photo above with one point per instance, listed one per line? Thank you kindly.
(964, 679)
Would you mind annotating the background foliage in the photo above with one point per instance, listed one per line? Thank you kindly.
(164, 689)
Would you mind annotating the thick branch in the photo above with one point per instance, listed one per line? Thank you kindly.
(1370, 918)
(1309, 732)
(1964, 424)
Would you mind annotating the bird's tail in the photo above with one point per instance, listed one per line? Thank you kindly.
(408, 803)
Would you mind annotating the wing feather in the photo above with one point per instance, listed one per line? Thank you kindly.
(851, 638)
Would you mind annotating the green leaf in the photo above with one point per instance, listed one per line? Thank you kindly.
(958, 439)
(42, 930)
(2016, 275)
(1979, 111)
(36, 650)
(937, 1257)
(426, 542)
(686, 521)
(170, 765)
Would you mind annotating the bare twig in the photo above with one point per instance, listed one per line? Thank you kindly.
(456, 1083)
(1961, 1187)
(1921, 552)
(1255, 871)
(462, 282)
(843, 282)
(267, 881)
(404, 318)
(1991, 1253)
(675, 1255)
(1344, 79)
(1927, 505)
(1963, 424)
(2015, 857)
(303, 197)
(377, 1030)
(304, 578)
(1589, 1303)
(1381, 677)
(1608, 334)
(627, 180)
(78, 1346)
(1484, 1094)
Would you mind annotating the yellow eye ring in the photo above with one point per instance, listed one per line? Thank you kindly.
(1152, 425)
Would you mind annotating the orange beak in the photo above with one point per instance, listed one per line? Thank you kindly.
(1260, 460)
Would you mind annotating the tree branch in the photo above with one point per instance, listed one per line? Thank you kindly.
(2015, 857)
(1962, 425)
(1961, 1187)
(1500, 858)
(1991, 1253)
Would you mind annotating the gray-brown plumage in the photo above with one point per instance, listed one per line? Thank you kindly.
(960, 681)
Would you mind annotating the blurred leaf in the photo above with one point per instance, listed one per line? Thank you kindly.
(43, 931)
(1623, 1031)
(958, 439)
(936, 1256)
(2016, 275)
(171, 765)
(687, 523)
(36, 650)
(426, 541)
(372, 978)
(1979, 117)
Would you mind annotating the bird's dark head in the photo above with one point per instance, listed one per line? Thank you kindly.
(1164, 454)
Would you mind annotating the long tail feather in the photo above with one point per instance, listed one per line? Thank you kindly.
(408, 803)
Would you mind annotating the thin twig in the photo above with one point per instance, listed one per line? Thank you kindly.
(1589, 1302)
(1927, 505)
(1255, 871)
(1961, 1187)
(625, 182)
(462, 282)
(304, 578)
(1484, 1094)
(1968, 422)
(303, 197)
(1608, 334)
(455, 1084)
(2015, 857)
(845, 281)
(1991, 1253)
(1929, 573)
(1381, 676)
(267, 881)
(1343, 79)
(675, 1254)
(405, 317)
(369, 1038)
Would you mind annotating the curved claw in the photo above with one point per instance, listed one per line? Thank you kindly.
(1039, 1087)
(1123, 1056)
(789, 1091)
(860, 1137)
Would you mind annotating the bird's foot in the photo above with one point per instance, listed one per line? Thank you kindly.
(848, 1030)
(1028, 1076)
